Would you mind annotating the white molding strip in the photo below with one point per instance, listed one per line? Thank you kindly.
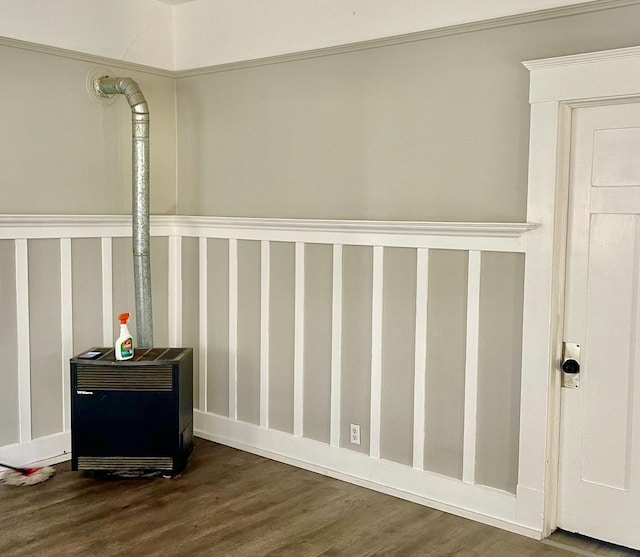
(586, 78)
(583, 58)
(376, 351)
(107, 291)
(420, 370)
(175, 290)
(82, 56)
(233, 329)
(196, 226)
(66, 324)
(52, 448)
(444, 235)
(556, 85)
(298, 357)
(265, 298)
(471, 369)
(23, 352)
(336, 346)
(64, 226)
(203, 322)
(483, 504)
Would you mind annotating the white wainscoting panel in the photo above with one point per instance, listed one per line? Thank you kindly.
(412, 480)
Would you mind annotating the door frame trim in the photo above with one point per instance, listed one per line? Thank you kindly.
(557, 86)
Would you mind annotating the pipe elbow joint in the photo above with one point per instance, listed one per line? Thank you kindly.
(132, 92)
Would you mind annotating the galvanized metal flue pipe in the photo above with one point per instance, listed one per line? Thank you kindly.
(140, 210)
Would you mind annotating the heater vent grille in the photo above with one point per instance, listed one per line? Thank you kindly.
(131, 378)
(125, 463)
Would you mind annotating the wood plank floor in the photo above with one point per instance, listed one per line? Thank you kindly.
(231, 503)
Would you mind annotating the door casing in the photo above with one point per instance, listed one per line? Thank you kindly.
(558, 86)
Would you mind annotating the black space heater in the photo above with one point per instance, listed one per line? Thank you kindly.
(134, 415)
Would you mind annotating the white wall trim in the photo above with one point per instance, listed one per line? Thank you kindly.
(85, 57)
(203, 318)
(539, 310)
(610, 74)
(584, 58)
(175, 290)
(471, 368)
(66, 325)
(233, 329)
(78, 226)
(439, 235)
(265, 295)
(420, 357)
(336, 346)
(194, 225)
(23, 352)
(377, 305)
(56, 448)
(298, 341)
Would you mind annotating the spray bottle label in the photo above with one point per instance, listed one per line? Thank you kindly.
(126, 349)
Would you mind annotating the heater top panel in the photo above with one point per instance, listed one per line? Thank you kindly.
(142, 356)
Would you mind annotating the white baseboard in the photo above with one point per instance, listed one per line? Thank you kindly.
(482, 504)
(43, 451)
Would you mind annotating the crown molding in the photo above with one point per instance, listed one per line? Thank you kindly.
(84, 57)
(531, 17)
(519, 19)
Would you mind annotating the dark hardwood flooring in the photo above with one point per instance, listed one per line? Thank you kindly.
(232, 503)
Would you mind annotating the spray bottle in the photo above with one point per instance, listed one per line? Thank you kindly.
(124, 344)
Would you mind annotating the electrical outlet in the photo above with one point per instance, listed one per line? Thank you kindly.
(355, 434)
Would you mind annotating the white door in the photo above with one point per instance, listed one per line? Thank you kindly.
(599, 484)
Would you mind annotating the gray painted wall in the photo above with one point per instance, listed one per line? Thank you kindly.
(249, 332)
(160, 289)
(123, 287)
(281, 335)
(9, 422)
(45, 337)
(398, 354)
(86, 276)
(429, 130)
(191, 308)
(499, 364)
(63, 152)
(355, 388)
(218, 327)
(446, 354)
(318, 290)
